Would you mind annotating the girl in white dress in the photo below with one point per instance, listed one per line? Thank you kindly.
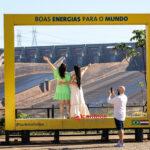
(78, 108)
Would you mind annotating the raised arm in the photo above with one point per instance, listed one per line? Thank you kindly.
(52, 67)
(112, 97)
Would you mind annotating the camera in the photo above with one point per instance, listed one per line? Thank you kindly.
(111, 90)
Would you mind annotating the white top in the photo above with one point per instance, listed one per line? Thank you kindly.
(119, 103)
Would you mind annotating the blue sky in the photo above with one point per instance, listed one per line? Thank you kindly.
(73, 34)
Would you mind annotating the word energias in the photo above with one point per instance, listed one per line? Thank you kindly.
(56, 19)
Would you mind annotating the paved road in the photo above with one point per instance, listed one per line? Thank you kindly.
(79, 143)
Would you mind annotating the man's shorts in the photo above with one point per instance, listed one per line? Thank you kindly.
(119, 124)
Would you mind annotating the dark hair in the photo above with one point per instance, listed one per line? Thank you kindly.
(62, 70)
(78, 75)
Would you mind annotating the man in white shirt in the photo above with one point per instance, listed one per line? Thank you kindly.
(119, 103)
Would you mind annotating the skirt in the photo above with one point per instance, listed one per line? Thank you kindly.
(78, 106)
(62, 92)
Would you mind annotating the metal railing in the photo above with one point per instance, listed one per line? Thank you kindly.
(51, 111)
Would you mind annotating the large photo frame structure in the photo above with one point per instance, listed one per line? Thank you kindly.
(11, 20)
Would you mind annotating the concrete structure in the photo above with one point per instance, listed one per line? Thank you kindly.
(74, 54)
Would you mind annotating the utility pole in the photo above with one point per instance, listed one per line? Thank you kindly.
(34, 37)
(19, 39)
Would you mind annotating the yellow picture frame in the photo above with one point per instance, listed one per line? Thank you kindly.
(11, 20)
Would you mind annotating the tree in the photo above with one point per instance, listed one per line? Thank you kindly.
(139, 37)
(127, 51)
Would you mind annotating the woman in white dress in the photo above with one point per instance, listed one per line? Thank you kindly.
(78, 108)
